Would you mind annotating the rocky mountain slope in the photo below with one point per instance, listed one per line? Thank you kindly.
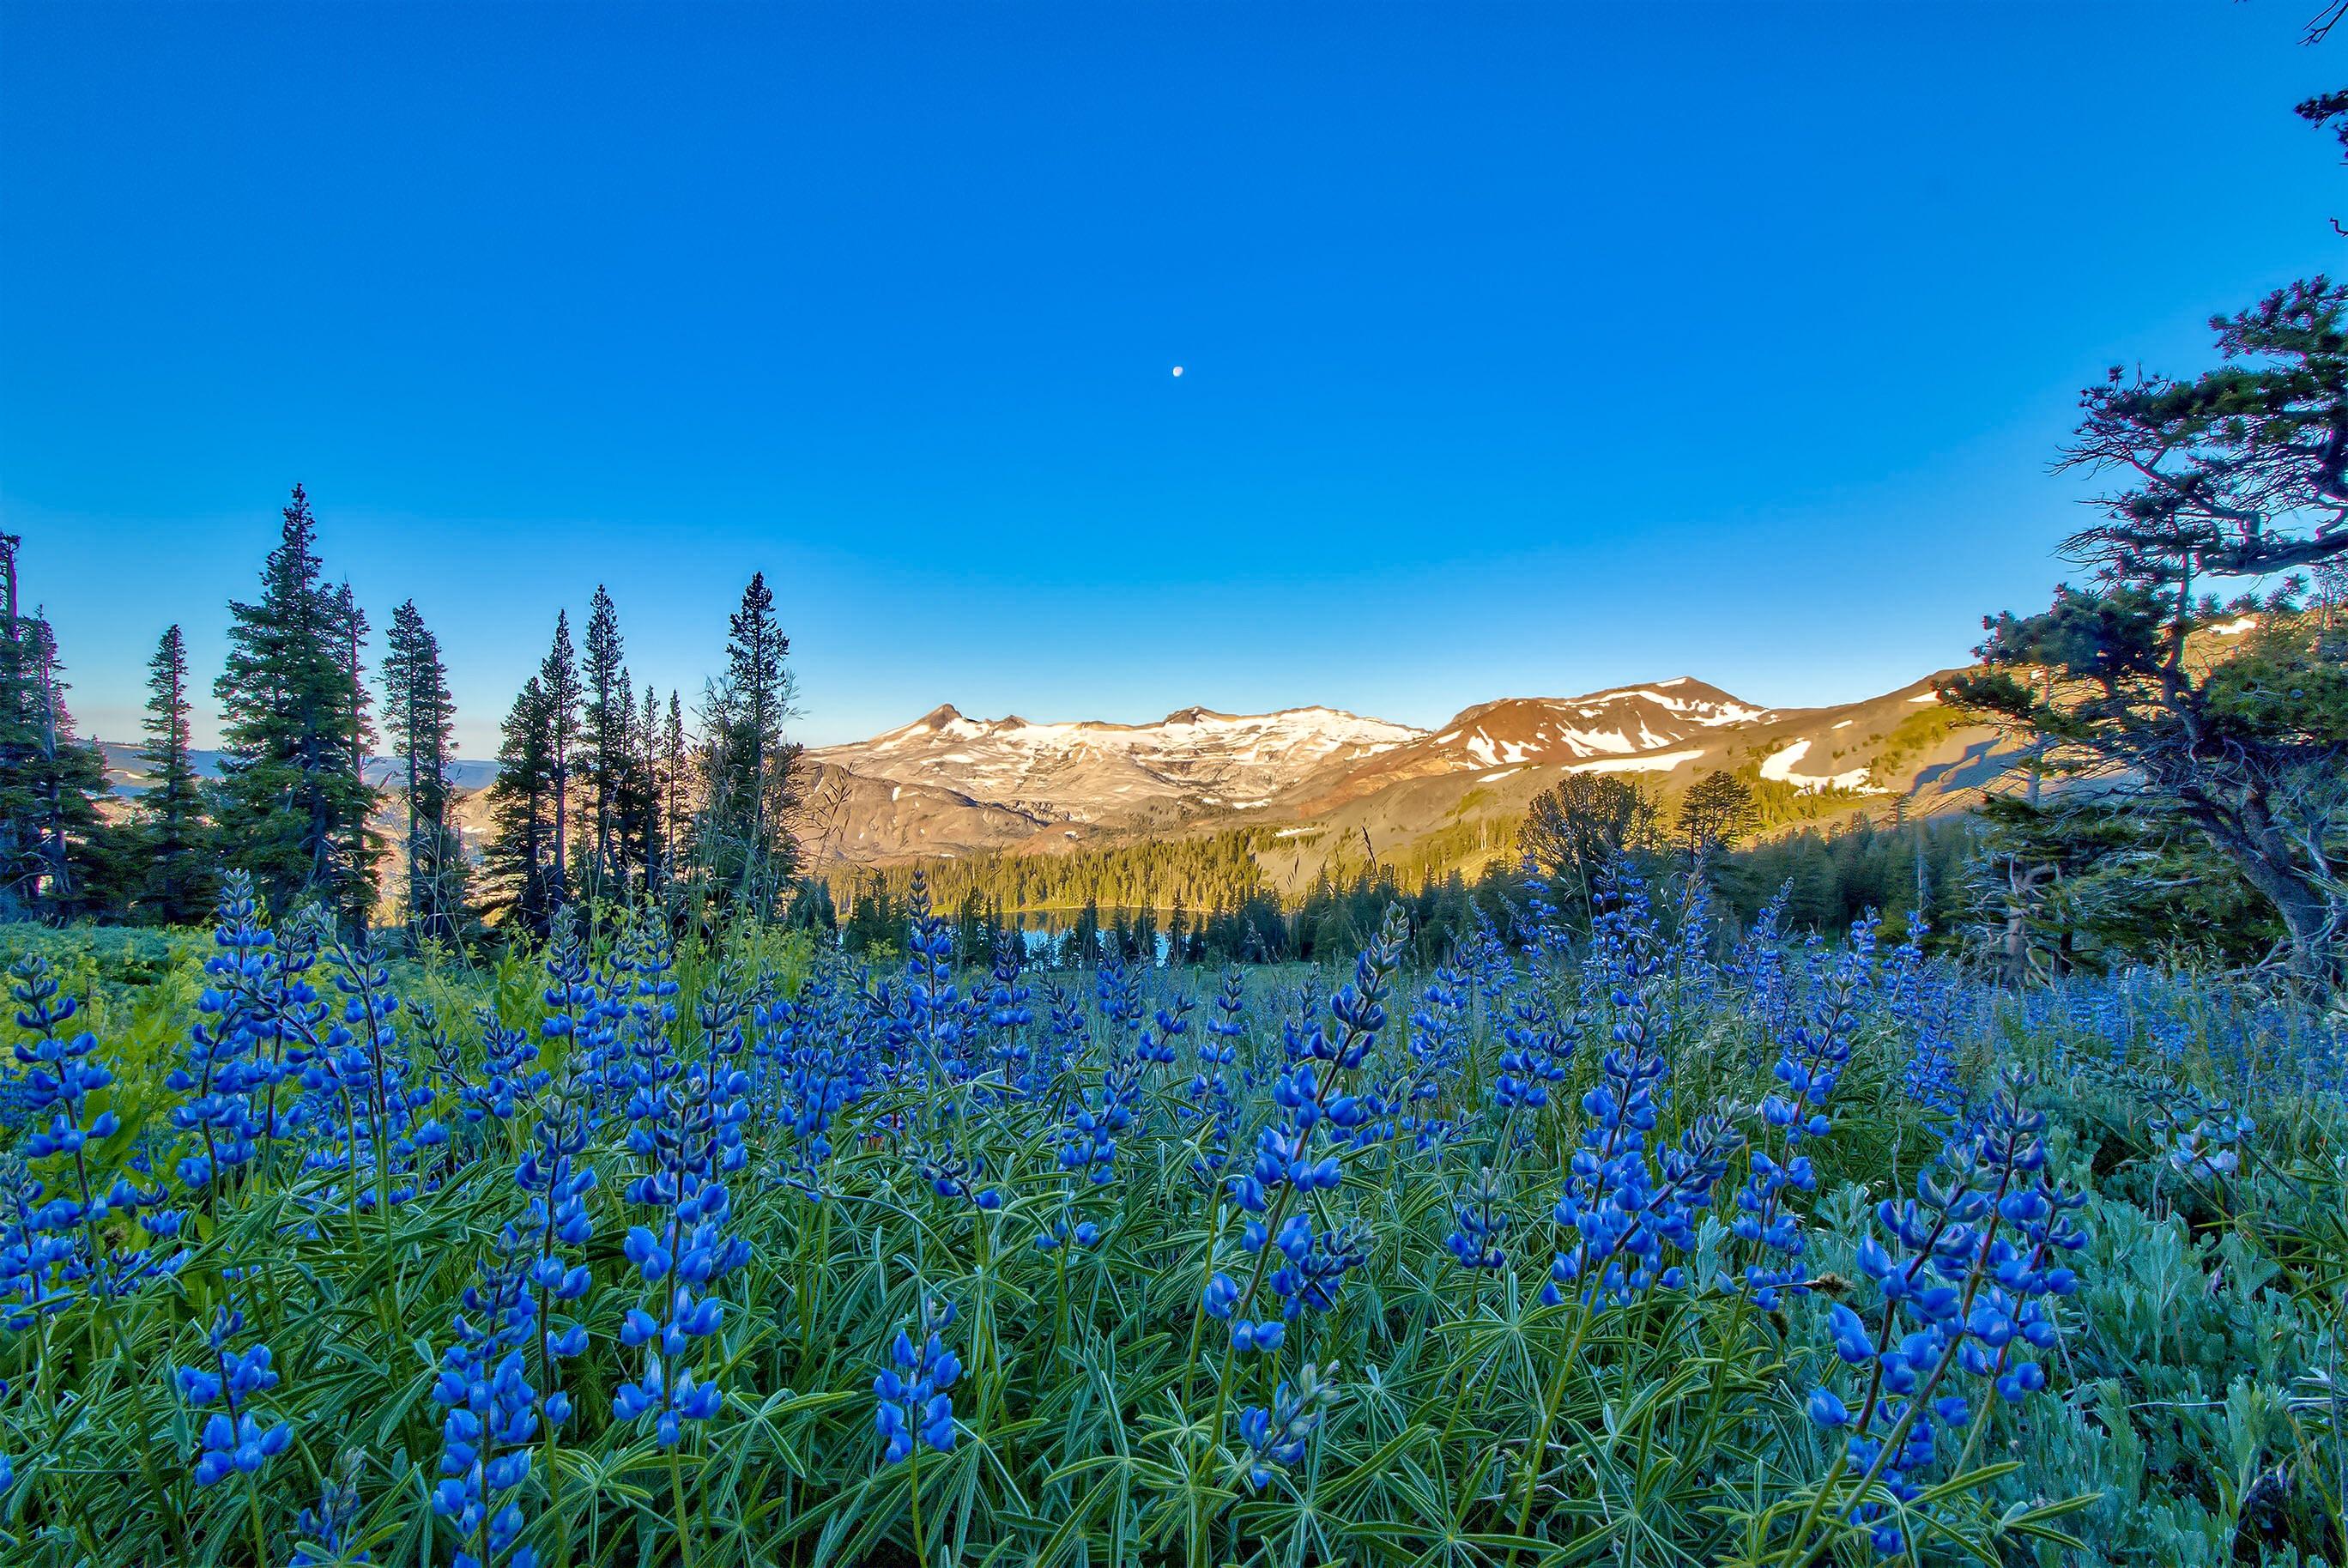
(1321, 783)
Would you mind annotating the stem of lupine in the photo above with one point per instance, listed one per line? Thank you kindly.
(1198, 1307)
(260, 1535)
(683, 1518)
(1540, 1445)
(921, 1539)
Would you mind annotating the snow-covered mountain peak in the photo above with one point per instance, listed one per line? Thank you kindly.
(1195, 758)
(1621, 721)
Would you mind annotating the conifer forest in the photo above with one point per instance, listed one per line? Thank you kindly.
(627, 1124)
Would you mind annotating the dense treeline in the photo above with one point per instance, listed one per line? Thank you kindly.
(1208, 870)
(1332, 918)
(602, 795)
(1832, 877)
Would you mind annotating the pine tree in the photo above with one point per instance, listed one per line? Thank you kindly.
(1715, 815)
(173, 835)
(21, 722)
(58, 859)
(651, 823)
(675, 819)
(749, 772)
(422, 717)
(603, 731)
(350, 639)
(293, 803)
(558, 679)
(630, 802)
(524, 851)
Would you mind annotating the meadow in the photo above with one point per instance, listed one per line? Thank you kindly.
(1615, 1241)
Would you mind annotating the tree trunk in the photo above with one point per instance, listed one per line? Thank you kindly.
(2250, 840)
(2306, 915)
(561, 826)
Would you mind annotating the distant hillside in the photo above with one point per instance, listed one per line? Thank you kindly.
(128, 775)
(1318, 790)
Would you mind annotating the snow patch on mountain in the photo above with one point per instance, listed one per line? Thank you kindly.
(1779, 766)
(1654, 762)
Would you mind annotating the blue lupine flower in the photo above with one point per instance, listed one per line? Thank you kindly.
(557, 1225)
(375, 1123)
(913, 1404)
(1008, 1014)
(1276, 1436)
(237, 1438)
(932, 1025)
(492, 1412)
(1318, 1261)
(256, 1024)
(326, 1530)
(1437, 1046)
(1537, 1053)
(1627, 1208)
(1088, 1137)
(1480, 1223)
(952, 1175)
(1159, 1043)
(1212, 1097)
(830, 1035)
(510, 1081)
(1966, 1285)
(580, 1009)
(1759, 963)
(83, 1215)
(1081, 1235)
(1289, 1165)
(1811, 1064)
(688, 1130)
(37, 1262)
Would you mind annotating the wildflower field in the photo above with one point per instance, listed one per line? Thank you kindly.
(1623, 1245)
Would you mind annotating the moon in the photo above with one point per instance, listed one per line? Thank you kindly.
(1178, 372)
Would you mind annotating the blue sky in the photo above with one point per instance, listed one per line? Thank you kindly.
(1528, 348)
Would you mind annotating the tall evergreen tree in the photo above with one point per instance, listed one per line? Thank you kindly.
(350, 640)
(558, 679)
(1715, 815)
(524, 847)
(293, 803)
(604, 733)
(631, 803)
(55, 855)
(675, 787)
(422, 717)
(21, 722)
(651, 824)
(174, 836)
(749, 771)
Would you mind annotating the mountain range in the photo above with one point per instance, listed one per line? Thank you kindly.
(1319, 781)
(1314, 778)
